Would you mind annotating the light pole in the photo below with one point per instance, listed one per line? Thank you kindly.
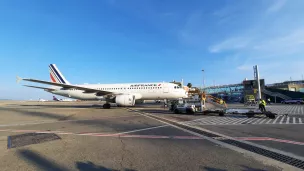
(203, 79)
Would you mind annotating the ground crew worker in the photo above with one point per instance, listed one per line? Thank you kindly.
(262, 105)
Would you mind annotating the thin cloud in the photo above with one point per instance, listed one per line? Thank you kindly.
(245, 67)
(277, 6)
(290, 43)
(230, 44)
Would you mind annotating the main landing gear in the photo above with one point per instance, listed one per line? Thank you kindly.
(106, 106)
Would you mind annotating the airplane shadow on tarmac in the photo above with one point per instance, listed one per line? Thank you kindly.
(123, 125)
(65, 106)
(46, 164)
(92, 167)
(34, 113)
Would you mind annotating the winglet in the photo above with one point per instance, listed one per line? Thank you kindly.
(18, 79)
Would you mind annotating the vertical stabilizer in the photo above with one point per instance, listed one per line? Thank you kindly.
(56, 75)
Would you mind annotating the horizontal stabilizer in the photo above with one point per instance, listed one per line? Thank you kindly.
(18, 79)
(66, 86)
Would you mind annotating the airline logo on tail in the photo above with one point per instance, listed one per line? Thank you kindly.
(56, 75)
(55, 98)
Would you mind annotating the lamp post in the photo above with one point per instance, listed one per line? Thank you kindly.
(203, 79)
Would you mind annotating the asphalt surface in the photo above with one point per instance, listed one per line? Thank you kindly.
(260, 134)
(96, 139)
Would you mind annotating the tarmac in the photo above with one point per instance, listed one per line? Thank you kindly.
(82, 136)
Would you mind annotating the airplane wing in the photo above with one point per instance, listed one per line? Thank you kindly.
(44, 88)
(66, 86)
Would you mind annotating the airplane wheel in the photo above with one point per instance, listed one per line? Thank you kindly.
(249, 115)
(189, 111)
(271, 116)
(106, 106)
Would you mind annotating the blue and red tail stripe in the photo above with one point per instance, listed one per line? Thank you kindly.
(56, 75)
(55, 72)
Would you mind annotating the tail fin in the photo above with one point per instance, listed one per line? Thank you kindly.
(56, 75)
(55, 98)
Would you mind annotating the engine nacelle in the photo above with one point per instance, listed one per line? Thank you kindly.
(125, 100)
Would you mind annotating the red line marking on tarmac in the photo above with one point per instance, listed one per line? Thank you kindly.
(145, 136)
(288, 141)
(187, 137)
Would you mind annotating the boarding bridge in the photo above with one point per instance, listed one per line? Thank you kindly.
(224, 89)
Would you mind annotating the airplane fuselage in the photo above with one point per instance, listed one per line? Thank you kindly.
(143, 91)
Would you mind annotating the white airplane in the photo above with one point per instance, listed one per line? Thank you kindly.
(42, 100)
(121, 94)
(62, 100)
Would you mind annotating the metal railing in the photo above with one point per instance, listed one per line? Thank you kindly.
(275, 94)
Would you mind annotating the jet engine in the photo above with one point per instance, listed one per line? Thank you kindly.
(125, 100)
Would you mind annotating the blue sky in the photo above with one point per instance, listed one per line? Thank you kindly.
(117, 41)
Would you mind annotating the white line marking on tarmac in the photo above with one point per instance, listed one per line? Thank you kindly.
(239, 121)
(275, 121)
(221, 120)
(257, 121)
(111, 135)
(263, 121)
(287, 121)
(281, 121)
(144, 129)
(232, 121)
(269, 120)
(227, 120)
(253, 119)
(246, 120)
